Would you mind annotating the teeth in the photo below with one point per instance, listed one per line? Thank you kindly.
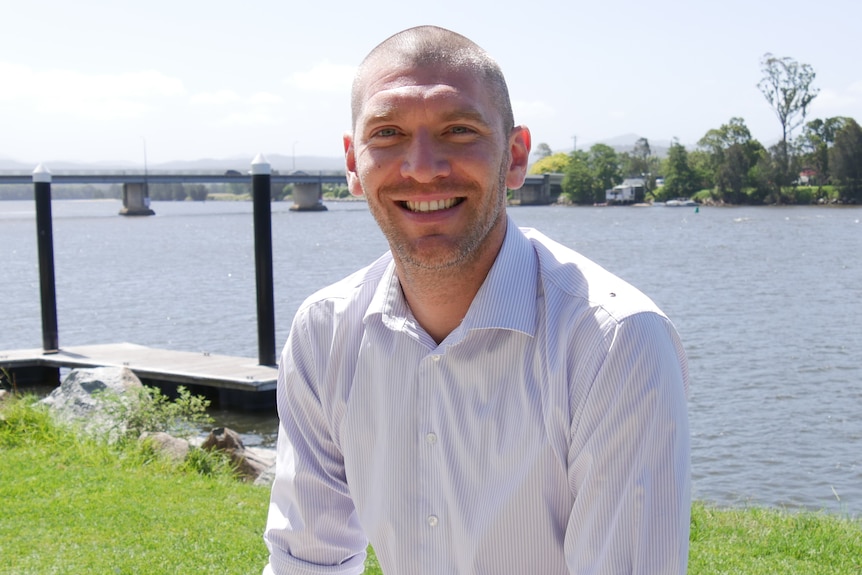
(431, 206)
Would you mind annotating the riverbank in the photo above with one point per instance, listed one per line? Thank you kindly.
(72, 504)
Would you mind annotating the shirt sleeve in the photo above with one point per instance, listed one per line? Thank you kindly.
(629, 458)
(312, 527)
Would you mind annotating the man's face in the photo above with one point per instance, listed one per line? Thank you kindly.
(430, 154)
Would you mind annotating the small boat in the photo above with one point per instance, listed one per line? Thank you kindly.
(681, 203)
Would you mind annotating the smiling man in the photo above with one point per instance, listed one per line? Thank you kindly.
(480, 399)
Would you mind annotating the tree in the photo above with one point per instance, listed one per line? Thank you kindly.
(732, 154)
(197, 192)
(640, 162)
(578, 182)
(605, 169)
(680, 179)
(845, 157)
(543, 150)
(786, 85)
(554, 164)
(817, 137)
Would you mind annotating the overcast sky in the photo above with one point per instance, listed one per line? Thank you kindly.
(110, 80)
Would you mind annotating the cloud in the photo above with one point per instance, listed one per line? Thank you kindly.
(323, 77)
(838, 102)
(265, 98)
(530, 111)
(217, 98)
(91, 96)
(233, 109)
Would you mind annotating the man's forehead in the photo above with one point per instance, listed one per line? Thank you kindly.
(402, 86)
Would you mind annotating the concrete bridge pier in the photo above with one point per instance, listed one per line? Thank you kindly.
(136, 200)
(308, 197)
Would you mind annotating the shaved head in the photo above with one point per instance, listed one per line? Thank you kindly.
(433, 47)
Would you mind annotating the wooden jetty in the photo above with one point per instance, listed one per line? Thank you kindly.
(237, 381)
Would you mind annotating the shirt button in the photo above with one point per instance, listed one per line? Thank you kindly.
(432, 521)
(431, 438)
(436, 358)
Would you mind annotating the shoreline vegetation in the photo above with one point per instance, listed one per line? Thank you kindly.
(72, 503)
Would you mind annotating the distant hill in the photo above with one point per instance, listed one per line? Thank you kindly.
(622, 144)
(626, 143)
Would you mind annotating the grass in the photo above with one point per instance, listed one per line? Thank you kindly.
(73, 505)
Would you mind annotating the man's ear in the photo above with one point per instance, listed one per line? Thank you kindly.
(520, 142)
(353, 183)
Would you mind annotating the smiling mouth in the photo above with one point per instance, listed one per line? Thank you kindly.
(433, 205)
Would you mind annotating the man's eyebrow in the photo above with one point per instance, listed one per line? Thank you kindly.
(465, 115)
(391, 113)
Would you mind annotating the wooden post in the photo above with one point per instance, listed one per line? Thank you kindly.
(45, 238)
(261, 183)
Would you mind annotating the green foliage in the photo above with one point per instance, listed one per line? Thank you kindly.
(197, 192)
(578, 182)
(335, 191)
(732, 156)
(74, 504)
(209, 463)
(7, 380)
(680, 180)
(817, 138)
(148, 409)
(845, 157)
(589, 174)
(23, 422)
(278, 195)
(764, 542)
(552, 164)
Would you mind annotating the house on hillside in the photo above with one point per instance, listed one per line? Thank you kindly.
(631, 191)
(809, 177)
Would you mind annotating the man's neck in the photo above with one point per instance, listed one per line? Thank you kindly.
(439, 299)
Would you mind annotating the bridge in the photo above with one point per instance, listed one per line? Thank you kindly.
(307, 192)
(541, 189)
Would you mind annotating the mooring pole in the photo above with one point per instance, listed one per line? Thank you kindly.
(45, 238)
(261, 184)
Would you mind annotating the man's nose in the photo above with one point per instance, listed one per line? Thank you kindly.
(425, 158)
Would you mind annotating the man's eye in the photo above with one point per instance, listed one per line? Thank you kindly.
(461, 130)
(385, 132)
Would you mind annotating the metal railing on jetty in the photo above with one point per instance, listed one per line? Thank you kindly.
(237, 382)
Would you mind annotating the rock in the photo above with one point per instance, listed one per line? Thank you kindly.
(78, 400)
(266, 478)
(174, 448)
(249, 464)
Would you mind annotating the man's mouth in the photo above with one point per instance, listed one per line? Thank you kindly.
(433, 205)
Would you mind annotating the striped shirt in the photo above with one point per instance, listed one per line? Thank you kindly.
(547, 434)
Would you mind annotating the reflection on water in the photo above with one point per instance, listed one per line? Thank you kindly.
(768, 302)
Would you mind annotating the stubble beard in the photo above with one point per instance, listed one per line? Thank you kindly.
(466, 248)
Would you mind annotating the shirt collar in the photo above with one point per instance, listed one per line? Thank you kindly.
(506, 300)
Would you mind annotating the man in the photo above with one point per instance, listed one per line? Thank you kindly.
(480, 399)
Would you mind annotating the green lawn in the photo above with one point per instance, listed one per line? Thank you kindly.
(74, 506)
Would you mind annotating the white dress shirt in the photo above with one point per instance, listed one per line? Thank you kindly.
(547, 434)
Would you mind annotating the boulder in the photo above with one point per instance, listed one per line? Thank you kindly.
(266, 478)
(81, 400)
(249, 463)
(174, 448)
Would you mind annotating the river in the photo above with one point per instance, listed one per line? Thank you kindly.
(768, 301)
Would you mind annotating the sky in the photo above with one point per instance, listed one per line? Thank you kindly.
(157, 81)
